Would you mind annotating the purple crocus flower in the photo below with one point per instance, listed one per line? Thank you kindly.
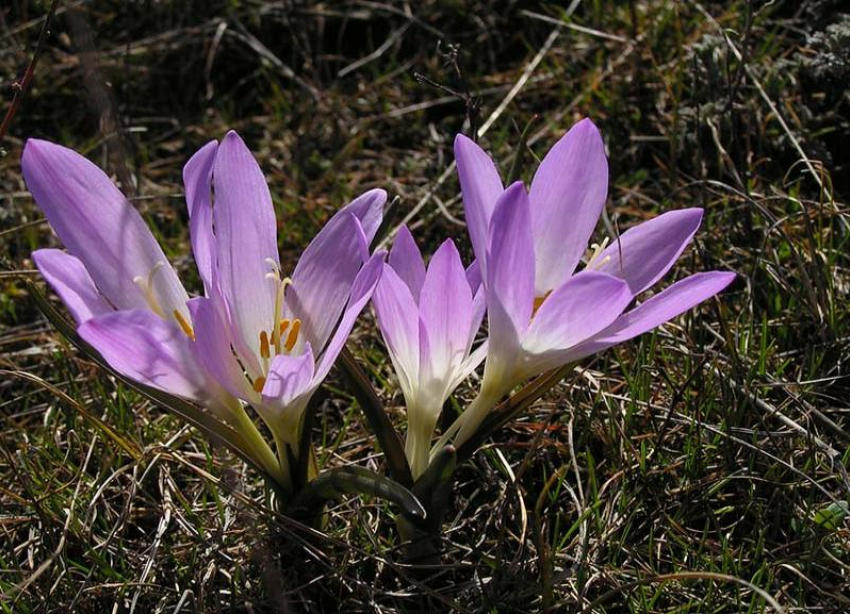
(257, 335)
(428, 319)
(542, 312)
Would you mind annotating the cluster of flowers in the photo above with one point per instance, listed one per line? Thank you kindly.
(259, 338)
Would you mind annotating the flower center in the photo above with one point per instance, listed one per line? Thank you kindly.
(283, 335)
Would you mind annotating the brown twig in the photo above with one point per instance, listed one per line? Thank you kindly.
(22, 86)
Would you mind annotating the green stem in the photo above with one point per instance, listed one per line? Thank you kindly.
(259, 446)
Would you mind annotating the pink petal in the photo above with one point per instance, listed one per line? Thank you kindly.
(445, 314)
(246, 241)
(96, 223)
(70, 280)
(361, 291)
(398, 320)
(322, 280)
(143, 347)
(368, 208)
(567, 196)
(289, 377)
(586, 304)
(510, 287)
(481, 187)
(406, 261)
(197, 179)
(213, 348)
(649, 249)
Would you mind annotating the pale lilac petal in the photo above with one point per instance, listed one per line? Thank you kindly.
(445, 314)
(197, 179)
(473, 276)
(406, 260)
(368, 208)
(510, 287)
(143, 347)
(99, 226)
(666, 305)
(567, 195)
(70, 280)
(213, 350)
(398, 320)
(361, 292)
(321, 282)
(663, 307)
(586, 304)
(650, 249)
(481, 187)
(289, 377)
(469, 364)
(246, 241)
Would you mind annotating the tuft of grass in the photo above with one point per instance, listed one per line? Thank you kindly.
(683, 472)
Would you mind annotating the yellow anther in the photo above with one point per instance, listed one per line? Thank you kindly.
(292, 337)
(538, 302)
(264, 344)
(284, 324)
(259, 383)
(187, 328)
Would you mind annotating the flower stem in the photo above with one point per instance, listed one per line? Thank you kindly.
(261, 449)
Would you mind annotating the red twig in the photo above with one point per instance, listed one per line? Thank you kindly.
(22, 86)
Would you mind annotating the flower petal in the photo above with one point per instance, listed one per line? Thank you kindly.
(289, 377)
(510, 287)
(445, 314)
(246, 241)
(586, 304)
(469, 364)
(398, 320)
(213, 348)
(481, 187)
(567, 195)
(197, 179)
(286, 393)
(70, 280)
(144, 347)
(663, 307)
(406, 261)
(666, 305)
(361, 292)
(473, 276)
(651, 248)
(321, 282)
(369, 209)
(99, 226)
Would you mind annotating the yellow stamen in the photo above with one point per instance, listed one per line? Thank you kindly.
(539, 301)
(259, 383)
(278, 305)
(292, 337)
(264, 345)
(187, 328)
(284, 324)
